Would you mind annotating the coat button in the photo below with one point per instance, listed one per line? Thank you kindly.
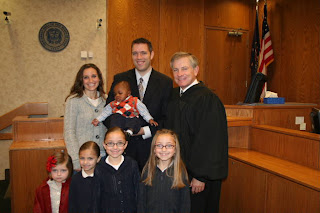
(96, 110)
(119, 182)
(97, 136)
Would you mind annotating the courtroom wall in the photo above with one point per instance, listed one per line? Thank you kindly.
(174, 25)
(31, 73)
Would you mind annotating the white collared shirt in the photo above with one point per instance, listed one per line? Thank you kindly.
(185, 89)
(85, 175)
(116, 167)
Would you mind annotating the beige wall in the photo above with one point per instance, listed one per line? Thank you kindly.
(29, 72)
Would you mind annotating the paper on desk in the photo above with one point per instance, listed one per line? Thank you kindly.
(270, 94)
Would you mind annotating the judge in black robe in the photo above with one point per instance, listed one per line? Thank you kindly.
(199, 119)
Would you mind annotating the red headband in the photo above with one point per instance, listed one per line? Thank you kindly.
(51, 162)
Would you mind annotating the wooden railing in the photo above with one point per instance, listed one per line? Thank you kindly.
(27, 109)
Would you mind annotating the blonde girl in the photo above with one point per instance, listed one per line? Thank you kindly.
(52, 196)
(164, 186)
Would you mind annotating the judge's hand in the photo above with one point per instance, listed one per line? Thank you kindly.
(141, 132)
(197, 186)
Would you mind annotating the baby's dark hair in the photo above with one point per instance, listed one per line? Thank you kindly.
(90, 145)
(115, 129)
(62, 157)
(124, 84)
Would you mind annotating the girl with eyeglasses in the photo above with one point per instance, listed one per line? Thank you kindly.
(119, 175)
(164, 186)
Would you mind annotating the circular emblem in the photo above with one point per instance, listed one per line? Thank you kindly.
(54, 36)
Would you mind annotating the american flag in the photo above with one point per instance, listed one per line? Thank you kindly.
(266, 51)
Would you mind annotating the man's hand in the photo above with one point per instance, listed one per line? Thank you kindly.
(197, 186)
(141, 132)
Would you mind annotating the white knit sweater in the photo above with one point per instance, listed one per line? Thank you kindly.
(79, 113)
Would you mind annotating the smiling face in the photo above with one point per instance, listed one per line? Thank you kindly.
(165, 148)
(183, 72)
(60, 173)
(115, 143)
(88, 159)
(141, 57)
(90, 79)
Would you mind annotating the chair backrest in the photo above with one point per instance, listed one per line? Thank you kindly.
(255, 88)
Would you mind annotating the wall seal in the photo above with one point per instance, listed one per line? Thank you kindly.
(54, 36)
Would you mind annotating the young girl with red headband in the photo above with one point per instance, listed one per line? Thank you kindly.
(52, 196)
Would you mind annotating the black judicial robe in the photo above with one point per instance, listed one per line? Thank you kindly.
(199, 119)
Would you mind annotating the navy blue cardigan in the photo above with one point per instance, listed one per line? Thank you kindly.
(84, 194)
(119, 188)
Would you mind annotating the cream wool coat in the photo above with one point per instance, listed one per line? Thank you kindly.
(79, 113)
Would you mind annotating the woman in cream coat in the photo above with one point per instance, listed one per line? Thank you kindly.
(84, 103)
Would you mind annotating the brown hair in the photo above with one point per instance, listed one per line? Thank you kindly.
(179, 172)
(115, 129)
(142, 41)
(92, 146)
(62, 157)
(77, 88)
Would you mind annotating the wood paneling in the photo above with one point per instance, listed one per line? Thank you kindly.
(299, 174)
(174, 25)
(239, 136)
(37, 129)
(34, 140)
(261, 183)
(238, 131)
(227, 57)
(229, 14)
(288, 197)
(181, 29)
(281, 115)
(27, 171)
(128, 20)
(240, 189)
(287, 145)
(295, 27)
(38, 108)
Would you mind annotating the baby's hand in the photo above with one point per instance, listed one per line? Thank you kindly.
(95, 122)
(153, 123)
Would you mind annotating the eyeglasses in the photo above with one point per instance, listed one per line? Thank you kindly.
(119, 144)
(168, 146)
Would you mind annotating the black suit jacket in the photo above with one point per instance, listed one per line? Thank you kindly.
(156, 96)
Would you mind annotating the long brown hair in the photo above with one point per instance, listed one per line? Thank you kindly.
(77, 88)
(179, 172)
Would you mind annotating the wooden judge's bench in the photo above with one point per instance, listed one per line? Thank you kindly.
(273, 167)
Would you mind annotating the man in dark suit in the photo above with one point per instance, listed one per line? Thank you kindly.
(153, 89)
